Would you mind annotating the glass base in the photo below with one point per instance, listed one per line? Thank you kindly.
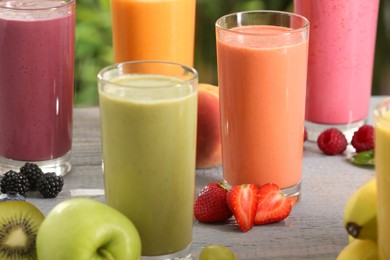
(314, 129)
(60, 165)
(184, 254)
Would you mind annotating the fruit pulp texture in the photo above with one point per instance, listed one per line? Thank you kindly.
(382, 168)
(262, 94)
(149, 166)
(36, 87)
(341, 56)
(153, 30)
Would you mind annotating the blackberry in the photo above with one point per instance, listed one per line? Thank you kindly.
(33, 173)
(49, 185)
(14, 182)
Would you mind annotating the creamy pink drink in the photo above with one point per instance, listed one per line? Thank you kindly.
(341, 56)
(36, 86)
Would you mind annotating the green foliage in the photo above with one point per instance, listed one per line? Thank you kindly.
(93, 47)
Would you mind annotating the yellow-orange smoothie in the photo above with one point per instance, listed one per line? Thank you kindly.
(262, 92)
(153, 30)
(148, 141)
(382, 169)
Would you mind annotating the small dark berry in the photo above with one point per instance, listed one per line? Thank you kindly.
(33, 173)
(363, 138)
(332, 141)
(14, 182)
(49, 185)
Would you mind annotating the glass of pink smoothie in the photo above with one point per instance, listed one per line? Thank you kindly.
(262, 65)
(148, 113)
(341, 56)
(36, 86)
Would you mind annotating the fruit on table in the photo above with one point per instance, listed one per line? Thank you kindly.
(217, 252)
(242, 201)
(208, 146)
(360, 212)
(33, 172)
(211, 205)
(332, 141)
(14, 182)
(363, 138)
(359, 249)
(272, 205)
(19, 224)
(49, 185)
(87, 229)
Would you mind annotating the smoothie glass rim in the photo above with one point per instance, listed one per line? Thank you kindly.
(304, 27)
(59, 5)
(380, 109)
(120, 65)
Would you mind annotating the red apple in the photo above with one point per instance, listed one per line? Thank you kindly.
(208, 151)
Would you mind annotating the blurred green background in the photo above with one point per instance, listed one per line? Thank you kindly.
(94, 45)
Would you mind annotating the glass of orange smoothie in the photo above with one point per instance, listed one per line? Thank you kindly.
(157, 30)
(382, 169)
(148, 113)
(262, 67)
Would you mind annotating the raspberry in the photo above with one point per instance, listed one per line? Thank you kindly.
(49, 185)
(363, 138)
(14, 182)
(33, 173)
(332, 141)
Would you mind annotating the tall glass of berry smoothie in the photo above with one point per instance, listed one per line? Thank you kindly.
(382, 169)
(262, 64)
(148, 113)
(36, 86)
(341, 56)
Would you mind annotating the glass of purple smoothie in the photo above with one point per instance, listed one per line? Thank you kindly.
(341, 57)
(37, 83)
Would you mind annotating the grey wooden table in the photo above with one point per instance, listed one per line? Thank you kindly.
(313, 230)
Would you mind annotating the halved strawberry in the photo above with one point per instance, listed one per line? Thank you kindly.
(211, 205)
(272, 205)
(242, 200)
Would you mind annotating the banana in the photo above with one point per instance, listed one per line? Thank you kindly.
(360, 250)
(360, 212)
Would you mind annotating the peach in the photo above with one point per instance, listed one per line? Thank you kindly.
(208, 150)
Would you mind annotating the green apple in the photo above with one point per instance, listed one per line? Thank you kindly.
(87, 229)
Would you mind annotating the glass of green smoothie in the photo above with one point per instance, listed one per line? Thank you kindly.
(148, 114)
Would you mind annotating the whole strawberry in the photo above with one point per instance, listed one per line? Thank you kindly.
(363, 138)
(211, 205)
(332, 141)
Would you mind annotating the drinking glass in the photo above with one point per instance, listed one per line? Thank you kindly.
(262, 64)
(382, 169)
(148, 113)
(341, 56)
(37, 83)
(157, 30)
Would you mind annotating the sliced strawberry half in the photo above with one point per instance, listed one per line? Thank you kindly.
(242, 201)
(272, 205)
(211, 205)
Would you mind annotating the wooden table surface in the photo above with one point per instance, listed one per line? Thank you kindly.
(314, 229)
